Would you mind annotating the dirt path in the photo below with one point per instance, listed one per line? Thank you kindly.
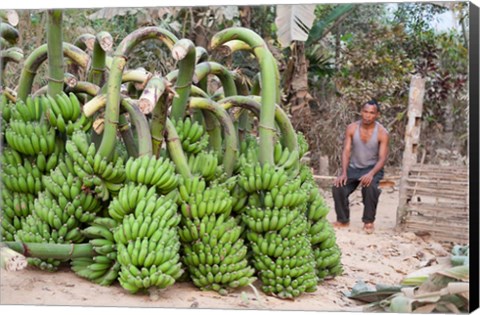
(383, 257)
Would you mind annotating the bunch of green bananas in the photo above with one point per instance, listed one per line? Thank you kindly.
(192, 135)
(277, 226)
(148, 245)
(23, 178)
(322, 235)
(152, 171)
(96, 172)
(214, 251)
(6, 112)
(254, 178)
(283, 157)
(205, 164)
(71, 194)
(197, 200)
(64, 112)
(15, 207)
(49, 223)
(21, 182)
(30, 137)
(30, 110)
(103, 267)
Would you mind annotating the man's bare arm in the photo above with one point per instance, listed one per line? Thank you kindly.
(346, 152)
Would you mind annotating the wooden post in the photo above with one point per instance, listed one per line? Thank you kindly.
(412, 139)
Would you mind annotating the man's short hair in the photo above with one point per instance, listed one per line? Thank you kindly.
(373, 102)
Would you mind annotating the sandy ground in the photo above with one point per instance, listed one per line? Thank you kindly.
(384, 257)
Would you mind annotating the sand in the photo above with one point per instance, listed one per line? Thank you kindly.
(384, 257)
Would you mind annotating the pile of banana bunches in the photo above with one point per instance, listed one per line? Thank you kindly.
(148, 226)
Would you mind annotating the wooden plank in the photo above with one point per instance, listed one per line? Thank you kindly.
(412, 139)
(459, 238)
(439, 181)
(437, 226)
(436, 213)
(438, 191)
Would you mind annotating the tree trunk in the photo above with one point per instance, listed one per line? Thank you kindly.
(245, 16)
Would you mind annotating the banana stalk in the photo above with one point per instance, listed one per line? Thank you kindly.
(140, 76)
(184, 52)
(68, 79)
(10, 260)
(12, 54)
(35, 60)
(243, 124)
(176, 151)
(85, 41)
(114, 80)
(103, 44)
(252, 103)
(127, 136)
(201, 56)
(202, 70)
(84, 87)
(141, 126)
(9, 16)
(52, 250)
(156, 88)
(269, 89)
(231, 142)
(9, 33)
(55, 52)
(151, 94)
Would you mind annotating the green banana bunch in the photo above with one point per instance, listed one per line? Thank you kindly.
(164, 267)
(103, 268)
(128, 198)
(147, 240)
(16, 204)
(23, 178)
(303, 145)
(151, 171)
(213, 200)
(106, 178)
(192, 135)
(284, 158)
(71, 193)
(50, 222)
(30, 110)
(254, 178)
(322, 235)
(30, 137)
(64, 112)
(204, 164)
(215, 253)
(150, 225)
(6, 111)
(328, 262)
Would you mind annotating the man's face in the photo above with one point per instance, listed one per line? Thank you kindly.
(369, 114)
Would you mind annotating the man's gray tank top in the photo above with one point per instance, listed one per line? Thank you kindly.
(364, 154)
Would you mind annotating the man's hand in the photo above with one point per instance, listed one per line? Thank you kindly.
(366, 179)
(340, 180)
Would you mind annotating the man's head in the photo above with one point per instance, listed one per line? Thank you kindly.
(370, 112)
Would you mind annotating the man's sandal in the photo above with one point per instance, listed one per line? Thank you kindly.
(368, 228)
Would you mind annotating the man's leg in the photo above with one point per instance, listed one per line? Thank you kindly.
(370, 196)
(340, 197)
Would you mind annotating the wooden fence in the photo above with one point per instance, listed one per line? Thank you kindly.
(437, 202)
